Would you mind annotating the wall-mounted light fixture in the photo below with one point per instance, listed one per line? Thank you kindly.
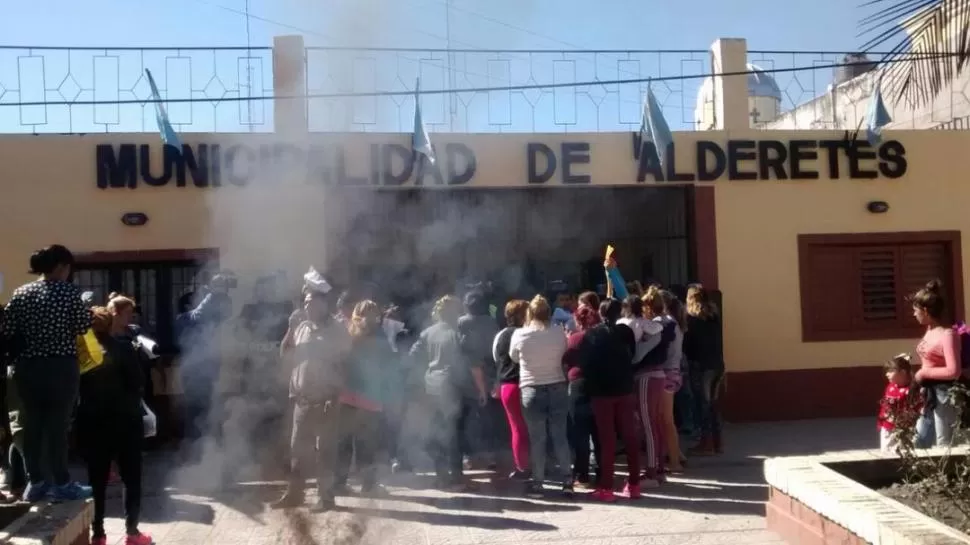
(877, 207)
(134, 219)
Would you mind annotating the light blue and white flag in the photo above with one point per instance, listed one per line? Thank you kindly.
(654, 128)
(161, 116)
(877, 116)
(420, 142)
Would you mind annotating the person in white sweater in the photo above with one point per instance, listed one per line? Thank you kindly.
(538, 348)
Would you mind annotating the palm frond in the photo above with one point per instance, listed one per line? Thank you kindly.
(926, 44)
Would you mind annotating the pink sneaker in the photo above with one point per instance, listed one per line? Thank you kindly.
(603, 495)
(632, 492)
(99, 540)
(139, 539)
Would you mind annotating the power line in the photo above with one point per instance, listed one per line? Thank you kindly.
(249, 16)
(463, 90)
(449, 51)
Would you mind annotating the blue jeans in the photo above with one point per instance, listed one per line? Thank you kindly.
(684, 405)
(546, 411)
(935, 427)
(706, 385)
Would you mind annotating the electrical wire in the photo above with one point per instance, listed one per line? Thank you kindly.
(507, 88)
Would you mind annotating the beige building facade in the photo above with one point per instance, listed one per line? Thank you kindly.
(813, 242)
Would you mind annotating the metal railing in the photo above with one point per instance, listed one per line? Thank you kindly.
(60, 81)
(67, 77)
(600, 107)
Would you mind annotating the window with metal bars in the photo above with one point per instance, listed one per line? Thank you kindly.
(155, 286)
(857, 286)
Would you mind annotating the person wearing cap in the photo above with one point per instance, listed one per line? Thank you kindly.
(321, 347)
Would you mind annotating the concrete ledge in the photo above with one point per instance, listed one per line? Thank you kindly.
(51, 524)
(811, 503)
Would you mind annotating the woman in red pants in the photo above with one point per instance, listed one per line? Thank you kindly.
(606, 358)
(507, 387)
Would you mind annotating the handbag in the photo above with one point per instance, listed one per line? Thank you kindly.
(90, 355)
(149, 421)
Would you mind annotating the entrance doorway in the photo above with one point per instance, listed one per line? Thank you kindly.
(434, 241)
(155, 284)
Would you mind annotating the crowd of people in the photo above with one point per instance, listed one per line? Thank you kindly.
(543, 391)
(546, 391)
(537, 392)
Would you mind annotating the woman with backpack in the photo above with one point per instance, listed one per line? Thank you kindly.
(940, 354)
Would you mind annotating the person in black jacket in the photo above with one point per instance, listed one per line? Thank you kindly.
(582, 422)
(484, 431)
(703, 347)
(507, 387)
(606, 360)
(109, 418)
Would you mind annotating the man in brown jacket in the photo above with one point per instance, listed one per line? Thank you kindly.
(320, 349)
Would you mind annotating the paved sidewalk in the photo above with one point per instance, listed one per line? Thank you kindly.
(719, 501)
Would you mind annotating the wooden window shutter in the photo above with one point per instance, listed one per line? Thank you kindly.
(857, 286)
(878, 286)
(920, 263)
(832, 304)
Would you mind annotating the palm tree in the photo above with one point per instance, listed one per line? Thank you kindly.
(926, 45)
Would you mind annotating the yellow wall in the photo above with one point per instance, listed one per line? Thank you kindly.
(757, 227)
(50, 195)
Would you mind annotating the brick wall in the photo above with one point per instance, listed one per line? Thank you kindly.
(800, 525)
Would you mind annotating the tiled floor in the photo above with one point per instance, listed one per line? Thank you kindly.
(719, 501)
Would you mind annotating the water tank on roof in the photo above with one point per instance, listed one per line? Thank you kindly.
(854, 65)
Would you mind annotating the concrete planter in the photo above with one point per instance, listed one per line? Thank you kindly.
(816, 500)
(51, 524)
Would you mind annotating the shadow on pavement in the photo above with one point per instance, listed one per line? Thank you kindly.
(161, 509)
(484, 522)
(483, 503)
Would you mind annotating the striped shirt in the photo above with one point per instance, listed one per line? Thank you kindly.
(539, 355)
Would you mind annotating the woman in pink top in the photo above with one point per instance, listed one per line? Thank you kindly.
(939, 354)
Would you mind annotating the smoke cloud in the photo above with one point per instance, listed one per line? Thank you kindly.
(415, 245)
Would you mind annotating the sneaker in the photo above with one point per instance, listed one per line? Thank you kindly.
(603, 495)
(519, 475)
(36, 492)
(534, 489)
(649, 483)
(70, 492)
(632, 492)
(139, 539)
(567, 489)
(100, 540)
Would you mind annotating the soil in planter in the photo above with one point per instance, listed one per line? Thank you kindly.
(10, 512)
(936, 505)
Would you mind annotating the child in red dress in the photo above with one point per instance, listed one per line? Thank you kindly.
(898, 406)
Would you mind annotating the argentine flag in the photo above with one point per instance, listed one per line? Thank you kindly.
(420, 142)
(161, 116)
(654, 128)
(877, 117)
